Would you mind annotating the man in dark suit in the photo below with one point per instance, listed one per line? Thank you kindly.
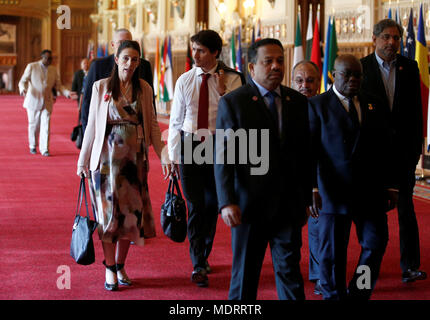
(102, 68)
(78, 78)
(265, 203)
(350, 138)
(395, 79)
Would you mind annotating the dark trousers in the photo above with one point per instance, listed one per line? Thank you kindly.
(249, 243)
(334, 232)
(313, 249)
(198, 186)
(408, 226)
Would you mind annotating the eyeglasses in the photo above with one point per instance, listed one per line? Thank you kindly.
(387, 37)
(349, 74)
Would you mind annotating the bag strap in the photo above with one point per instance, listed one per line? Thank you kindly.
(83, 194)
(176, 185)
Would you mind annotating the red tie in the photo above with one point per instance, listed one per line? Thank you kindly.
(203, 113)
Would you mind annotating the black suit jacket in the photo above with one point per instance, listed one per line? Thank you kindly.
(406, 117)
(285, 190)
(100, 69)
(77, 83)
(353, 171)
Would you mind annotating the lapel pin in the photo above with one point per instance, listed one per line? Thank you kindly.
(400, 68)
(254, 98)
(287, 98)
(106, 97)
(370, 106)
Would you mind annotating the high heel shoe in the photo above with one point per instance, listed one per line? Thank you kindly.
(123, 279)
(111, 286)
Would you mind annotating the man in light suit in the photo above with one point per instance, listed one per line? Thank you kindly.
(268, 208)
(396, 80)
(350, 141)
(102, 68)
(37, 84)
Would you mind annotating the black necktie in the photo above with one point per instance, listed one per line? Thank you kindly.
(271, 95)
(353, 112)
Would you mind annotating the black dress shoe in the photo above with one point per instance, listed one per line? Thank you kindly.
(111, 286)
(317, 288)
(199, 277)
(208, 268)
(33, 151)
(412, 275)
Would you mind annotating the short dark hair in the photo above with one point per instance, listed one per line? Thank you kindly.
(253, 49)
(306, 62)
(210, 39)
(46, 51)
(386, 23)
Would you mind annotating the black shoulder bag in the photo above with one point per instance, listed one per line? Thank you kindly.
(174, 213)
(82, 246)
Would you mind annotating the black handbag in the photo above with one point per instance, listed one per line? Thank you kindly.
(82, 246)
(77, 135)
(174, 213)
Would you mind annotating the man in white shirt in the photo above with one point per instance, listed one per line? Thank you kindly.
(37, 84)
(195, 107)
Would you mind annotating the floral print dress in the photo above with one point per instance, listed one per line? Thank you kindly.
(119, 188)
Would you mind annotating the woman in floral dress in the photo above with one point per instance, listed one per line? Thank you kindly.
(114, 156)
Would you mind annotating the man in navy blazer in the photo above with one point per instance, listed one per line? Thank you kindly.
(396, 80)
(265, 204)
(102, 68)
(350, 141)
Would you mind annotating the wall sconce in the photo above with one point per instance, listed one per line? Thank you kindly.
(131, 15)
(272, 3)
(96, 18)
(180, 7)
(151, 7)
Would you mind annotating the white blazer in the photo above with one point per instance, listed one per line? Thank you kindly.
(39, 86)
(97, 120)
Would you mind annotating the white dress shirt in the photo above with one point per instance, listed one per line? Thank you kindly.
(345, 102)
(183, 114)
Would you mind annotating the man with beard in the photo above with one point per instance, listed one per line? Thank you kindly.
(350, 136)
(396, 80)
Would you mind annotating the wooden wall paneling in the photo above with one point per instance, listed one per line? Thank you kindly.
(360, 49)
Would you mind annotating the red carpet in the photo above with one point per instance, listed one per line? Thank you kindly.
(37, 203)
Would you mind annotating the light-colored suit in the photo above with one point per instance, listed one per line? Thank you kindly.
(97, 120)
(38, 83)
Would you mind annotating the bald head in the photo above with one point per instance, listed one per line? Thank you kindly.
(118, 37)
(306, 78)
(347, 74)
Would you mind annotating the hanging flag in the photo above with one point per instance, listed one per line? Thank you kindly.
(298, 48)
(168, 74)
(400, 24)
(316, 48)
(90, 51)
(238, 65)
(189, 62)
(330, 55)
(233, 50)
(390, 14)
(100, 53)
(409, 50)
(253, 36)
(421, 56)
(258, 32)
(309, 35)
(162, 68)
(156, 83)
